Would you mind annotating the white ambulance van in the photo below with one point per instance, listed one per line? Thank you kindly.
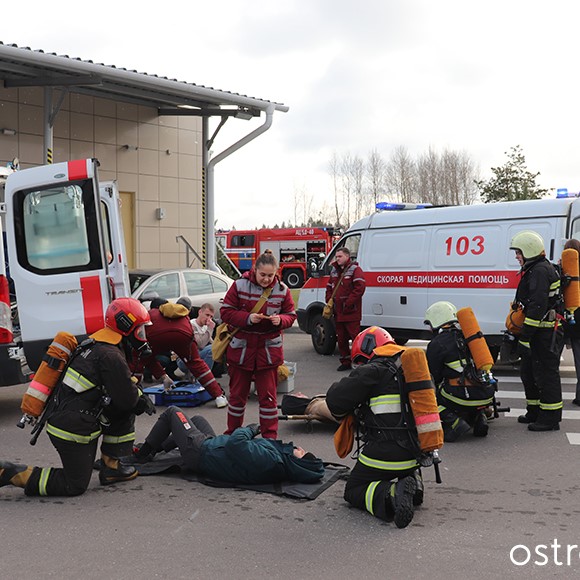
(415, 256)
(66, 257)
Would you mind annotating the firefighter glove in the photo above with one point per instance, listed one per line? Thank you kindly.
(145, 405)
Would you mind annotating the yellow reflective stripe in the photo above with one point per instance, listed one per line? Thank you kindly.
(77, 382)
(467, 402)
(42, 482)
(369, 496)
(385, 404)
(554, 287)
(119, 438)
(539, 323)
(387, 465)
(532, 402)
(74, 437)
(551, 406)
(457, 365)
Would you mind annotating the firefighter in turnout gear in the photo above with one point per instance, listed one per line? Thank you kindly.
(465, 398)
(541, 338)
(386, 480)
(96, 396)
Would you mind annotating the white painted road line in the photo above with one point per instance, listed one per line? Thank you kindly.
(522, 395)
(573, 438)
(565, 414)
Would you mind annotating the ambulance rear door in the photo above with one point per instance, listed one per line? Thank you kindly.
(56, 252)
(114, 239)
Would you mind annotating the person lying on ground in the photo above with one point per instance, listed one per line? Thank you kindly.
(236, 458)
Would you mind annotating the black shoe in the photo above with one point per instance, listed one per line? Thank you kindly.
(344, 367)
(108, 475)
(543, 427)
(454, 431)
(480, 427)
(576, 402)
(526, 419)
(403, 501)
(8, 470)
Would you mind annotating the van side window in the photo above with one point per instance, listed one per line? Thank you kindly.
(56, 229)
(352, 243)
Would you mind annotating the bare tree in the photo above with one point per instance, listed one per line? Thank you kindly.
(375, 177)
(335, 173)
(401, 176)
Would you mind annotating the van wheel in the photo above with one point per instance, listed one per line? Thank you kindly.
(293, 278)
(323, 335)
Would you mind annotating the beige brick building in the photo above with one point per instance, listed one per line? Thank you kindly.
(134, 124)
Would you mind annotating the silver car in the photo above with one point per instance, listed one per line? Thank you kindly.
(200, 285)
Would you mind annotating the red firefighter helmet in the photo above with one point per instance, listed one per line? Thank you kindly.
(366, 341)
(126, 316)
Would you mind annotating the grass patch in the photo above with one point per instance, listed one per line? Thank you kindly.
(295, 294)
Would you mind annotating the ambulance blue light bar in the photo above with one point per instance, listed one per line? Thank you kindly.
(389, 206)
(562, 192)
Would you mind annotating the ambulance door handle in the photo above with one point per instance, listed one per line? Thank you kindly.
(403, 299)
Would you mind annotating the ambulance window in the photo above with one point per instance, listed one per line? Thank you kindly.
(575, 233)
(352, 243)
(56, 229)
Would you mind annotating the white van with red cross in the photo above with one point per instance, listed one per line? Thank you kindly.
(66, 257)
(415, 256)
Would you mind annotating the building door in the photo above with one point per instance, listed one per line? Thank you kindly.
(128, 217)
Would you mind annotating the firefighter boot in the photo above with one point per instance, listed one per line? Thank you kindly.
(14, 474)
(453, 431)
(401, 495)
(113, 471)
(420, 492)
(480, 426)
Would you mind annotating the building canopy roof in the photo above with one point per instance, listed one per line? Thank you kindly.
(24, 67)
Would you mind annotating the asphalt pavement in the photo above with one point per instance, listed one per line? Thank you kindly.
(507, 507)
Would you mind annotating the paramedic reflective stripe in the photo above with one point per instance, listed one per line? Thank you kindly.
(74, 437)
(370, 496)
(268, 412)
(77, 382)
(42, 482)
(236, 411)
(385, 404)
(539, 323)
(551, 406)
(467, 402)
(387, 465)
(457, 365)
(115, 439)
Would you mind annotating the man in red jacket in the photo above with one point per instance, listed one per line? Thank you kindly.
(348, 280)
(171, 331)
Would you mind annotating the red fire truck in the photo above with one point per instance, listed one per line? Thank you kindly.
(299, 251)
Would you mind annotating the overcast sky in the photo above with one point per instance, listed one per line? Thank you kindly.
(473, 76)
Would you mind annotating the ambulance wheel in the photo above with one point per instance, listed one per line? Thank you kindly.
(293, 278)
(323, 335)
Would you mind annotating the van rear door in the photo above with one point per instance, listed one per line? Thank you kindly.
(114, 239)
(56, 252)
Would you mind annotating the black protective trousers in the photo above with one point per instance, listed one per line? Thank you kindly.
(540, 374)
(173, 429)
(368, 488)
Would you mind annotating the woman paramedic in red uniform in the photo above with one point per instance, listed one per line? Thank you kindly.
(255, 351)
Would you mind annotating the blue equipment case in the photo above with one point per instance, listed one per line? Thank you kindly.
(183, 395)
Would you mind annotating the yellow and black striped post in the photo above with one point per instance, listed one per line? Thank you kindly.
(49, 156)
(203, 218)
